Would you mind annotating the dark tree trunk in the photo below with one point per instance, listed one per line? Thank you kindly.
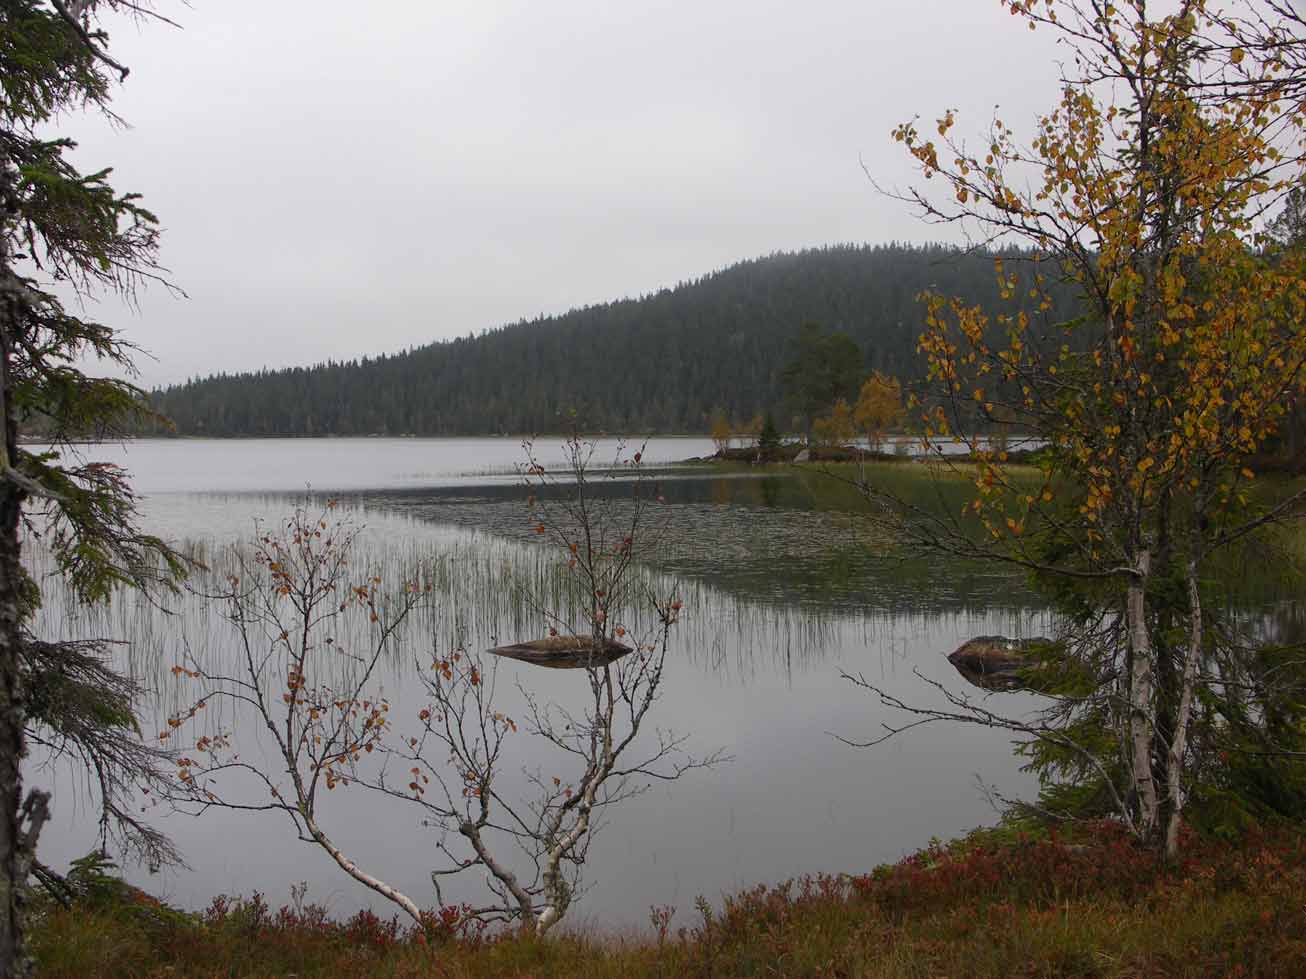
(11, 737)
(19, 825)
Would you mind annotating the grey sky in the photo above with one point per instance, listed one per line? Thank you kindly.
(338, 178)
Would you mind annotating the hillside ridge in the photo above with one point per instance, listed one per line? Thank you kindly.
(659, 363)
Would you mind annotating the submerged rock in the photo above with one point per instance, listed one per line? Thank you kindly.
(564, 652)
(996, 662)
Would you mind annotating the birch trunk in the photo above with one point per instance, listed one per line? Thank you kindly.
(556, 891)
(1141, 733)
(356, 872)
(1179, 743)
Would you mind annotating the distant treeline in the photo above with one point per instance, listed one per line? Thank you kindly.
(661, 363)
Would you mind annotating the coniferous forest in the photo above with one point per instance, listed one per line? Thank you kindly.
(660, 363)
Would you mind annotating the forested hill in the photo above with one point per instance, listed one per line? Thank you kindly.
(660, 363)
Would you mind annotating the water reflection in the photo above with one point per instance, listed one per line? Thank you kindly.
(784, 583)
(745, 611)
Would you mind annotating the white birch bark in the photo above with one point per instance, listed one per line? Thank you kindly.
(356, 872)
(1141, 731)
(1179, 742)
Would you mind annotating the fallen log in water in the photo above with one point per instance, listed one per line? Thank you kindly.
(564, 652)
(996, 662)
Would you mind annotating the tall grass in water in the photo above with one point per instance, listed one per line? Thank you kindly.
(484, 590)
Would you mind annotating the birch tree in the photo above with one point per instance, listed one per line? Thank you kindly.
(879, 406)
(1147, 186)
(317, 703)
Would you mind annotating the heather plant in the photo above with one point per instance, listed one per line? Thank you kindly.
(993, 904)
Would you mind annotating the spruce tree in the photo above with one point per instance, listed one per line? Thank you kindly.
(62, 231)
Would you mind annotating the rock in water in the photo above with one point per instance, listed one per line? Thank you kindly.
(565, 652)
(995, 662)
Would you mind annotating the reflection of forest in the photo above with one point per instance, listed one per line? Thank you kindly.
(778, 572)
(780, 563)
(489, 589)
(1287, 625)
(782, 538)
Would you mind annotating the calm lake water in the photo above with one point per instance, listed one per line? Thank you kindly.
(785, 584)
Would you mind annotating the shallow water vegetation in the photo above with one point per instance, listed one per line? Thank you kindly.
(310, 630)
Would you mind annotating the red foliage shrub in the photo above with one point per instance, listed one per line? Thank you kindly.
(311, 923)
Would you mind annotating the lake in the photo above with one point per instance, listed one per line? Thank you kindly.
(785, 584)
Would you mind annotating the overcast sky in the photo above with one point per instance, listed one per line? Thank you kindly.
(337, 178)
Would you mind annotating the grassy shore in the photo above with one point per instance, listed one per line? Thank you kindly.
(989, 905)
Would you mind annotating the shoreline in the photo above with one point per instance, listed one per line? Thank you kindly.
(1085, 901)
